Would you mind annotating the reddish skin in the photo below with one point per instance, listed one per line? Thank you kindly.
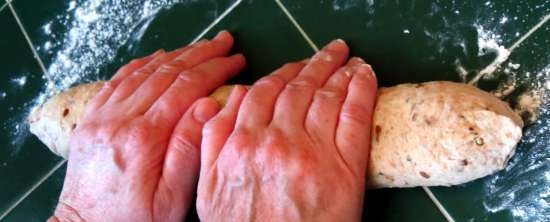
(295, 147)
(135, 157)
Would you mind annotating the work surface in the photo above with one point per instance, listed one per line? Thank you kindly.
(405, 41)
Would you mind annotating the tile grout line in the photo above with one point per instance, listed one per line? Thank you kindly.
(31, 45)
(438, 204)
(4, 5)
(33, 187)
(218, 19)
(427, 190)
(295, 23)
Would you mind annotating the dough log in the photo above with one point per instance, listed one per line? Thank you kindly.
(428, 134)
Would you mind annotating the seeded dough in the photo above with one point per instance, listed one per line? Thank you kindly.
(428, 134)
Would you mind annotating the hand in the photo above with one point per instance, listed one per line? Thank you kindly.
(135, 157)
(295, 147)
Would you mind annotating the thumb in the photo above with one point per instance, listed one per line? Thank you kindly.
(182, 161)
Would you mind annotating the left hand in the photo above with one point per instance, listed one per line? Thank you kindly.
(135, 156)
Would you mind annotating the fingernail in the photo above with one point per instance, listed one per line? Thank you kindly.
(336, 45)
(358, 59)
(222, 32)
(365, 70)
(221, 35)
(238, 56)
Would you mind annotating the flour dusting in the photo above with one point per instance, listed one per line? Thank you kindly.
(20, 81)
(523, 189)
(82, 40)
(96, 30)
(528, 200)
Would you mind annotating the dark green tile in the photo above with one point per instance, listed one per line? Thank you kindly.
(86, 40)
(520, 192)
(400, 205)
(412, 41)
(40, 204)
(265, 36)
(22, 158)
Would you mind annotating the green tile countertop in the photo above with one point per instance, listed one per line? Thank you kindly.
(405, 41)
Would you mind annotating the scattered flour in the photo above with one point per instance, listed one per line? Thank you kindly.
(20, 81)
(92, 33)
(96, 31)
(528, 200)
(523, 188)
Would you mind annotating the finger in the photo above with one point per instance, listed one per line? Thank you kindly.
(218, 129)
(188, 87)
(182, 160)
(129, 84)
(204, 50)
(108, 87)
(257, 107)
(134, 65)
(298, 94)
(353, 131)
(322, 116)
(164, 77)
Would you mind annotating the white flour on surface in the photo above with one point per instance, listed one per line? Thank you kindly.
(523, 188)
(92, 32)
(96, 31)
(20, 81)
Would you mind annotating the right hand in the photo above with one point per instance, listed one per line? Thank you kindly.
(295, 147)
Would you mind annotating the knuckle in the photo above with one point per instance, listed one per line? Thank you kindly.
(328, 94)
(182, 143)
(171, 67)
(143, 71)
(212, 127)
(189, 77)
(241, 139)
(271, 81)
(106, 130)
(276, 138)
(356, 113)
(366, 70)
(302, 84)
(242, 133)
(364, 67)
(293, 65)
(139, 134)
(180, 63)
(164, 104)
(108, 86)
